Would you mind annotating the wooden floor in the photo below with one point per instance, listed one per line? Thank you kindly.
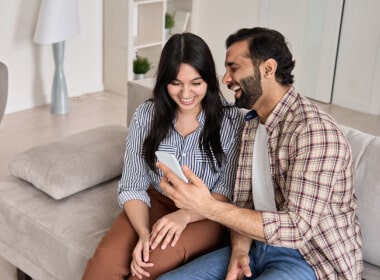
(36, 126)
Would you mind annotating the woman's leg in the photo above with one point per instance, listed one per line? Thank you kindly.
(212, 266)
(113, 255)
(197, 239)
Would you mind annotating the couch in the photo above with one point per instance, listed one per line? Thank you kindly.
(49, 229)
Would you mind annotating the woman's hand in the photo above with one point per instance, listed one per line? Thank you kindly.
(168, 229)
(140, 257)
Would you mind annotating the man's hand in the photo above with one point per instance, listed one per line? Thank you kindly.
(193, 196)
(239, 266)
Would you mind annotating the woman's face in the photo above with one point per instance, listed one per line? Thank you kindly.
(188, 89)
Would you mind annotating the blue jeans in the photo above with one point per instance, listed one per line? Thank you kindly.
(266, 262)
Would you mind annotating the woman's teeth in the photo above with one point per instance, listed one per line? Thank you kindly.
(187, 100)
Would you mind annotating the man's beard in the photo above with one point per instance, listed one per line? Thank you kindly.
(251, 90)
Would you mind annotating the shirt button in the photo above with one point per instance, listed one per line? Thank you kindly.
(184, 154)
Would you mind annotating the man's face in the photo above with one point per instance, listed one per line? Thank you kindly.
(251, 90)
(241, 76)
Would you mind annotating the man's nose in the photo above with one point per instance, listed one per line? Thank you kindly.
(226, 78)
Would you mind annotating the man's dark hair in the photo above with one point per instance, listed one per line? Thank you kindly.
(265, 43)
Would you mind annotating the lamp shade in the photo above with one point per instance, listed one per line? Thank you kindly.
(58, 20)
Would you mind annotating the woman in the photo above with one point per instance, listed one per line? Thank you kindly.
(187, 117)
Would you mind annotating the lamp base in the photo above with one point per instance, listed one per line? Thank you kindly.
(59, 97)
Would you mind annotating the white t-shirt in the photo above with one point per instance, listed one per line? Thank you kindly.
(262, 185)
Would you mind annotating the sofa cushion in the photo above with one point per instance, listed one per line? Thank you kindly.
(77, 162)
(365, 151)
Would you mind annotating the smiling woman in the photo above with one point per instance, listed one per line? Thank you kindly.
(188, 118)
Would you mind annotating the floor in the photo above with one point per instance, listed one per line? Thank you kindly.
(28, 128)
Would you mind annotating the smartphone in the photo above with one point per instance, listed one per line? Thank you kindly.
(171, 161)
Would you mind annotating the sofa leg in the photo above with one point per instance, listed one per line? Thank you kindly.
(21, 275)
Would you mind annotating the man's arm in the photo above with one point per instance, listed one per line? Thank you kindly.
(196, 197)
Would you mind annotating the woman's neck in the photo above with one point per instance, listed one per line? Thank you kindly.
(186, 122)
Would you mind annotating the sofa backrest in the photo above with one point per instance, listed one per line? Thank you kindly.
(366, 155)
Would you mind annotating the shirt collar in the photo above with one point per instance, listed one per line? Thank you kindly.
(250, 115)
(281, 109)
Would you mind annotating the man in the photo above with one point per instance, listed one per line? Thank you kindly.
(294, 211)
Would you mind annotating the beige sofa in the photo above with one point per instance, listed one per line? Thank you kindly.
(49, 233)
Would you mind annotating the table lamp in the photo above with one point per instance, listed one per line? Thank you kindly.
(57, 21)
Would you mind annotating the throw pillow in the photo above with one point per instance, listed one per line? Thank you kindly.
(75, 163)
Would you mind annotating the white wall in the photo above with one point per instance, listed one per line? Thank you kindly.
(357, 77)
(215, 20)
(31, 66)
(313, 34)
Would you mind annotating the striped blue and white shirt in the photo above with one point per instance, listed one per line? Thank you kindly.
(137, 176)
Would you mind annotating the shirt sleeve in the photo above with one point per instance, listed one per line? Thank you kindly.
(135, 180)
(230, 139)
(317, 158)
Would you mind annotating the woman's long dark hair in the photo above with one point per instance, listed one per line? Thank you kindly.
(190, 49)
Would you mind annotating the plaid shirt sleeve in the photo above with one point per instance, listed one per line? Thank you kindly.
(312, 163)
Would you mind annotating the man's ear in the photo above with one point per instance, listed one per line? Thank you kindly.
(270, 67)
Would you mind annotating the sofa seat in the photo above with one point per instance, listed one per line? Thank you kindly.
(53, 239)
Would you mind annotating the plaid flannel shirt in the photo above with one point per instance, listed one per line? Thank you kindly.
(312, 173)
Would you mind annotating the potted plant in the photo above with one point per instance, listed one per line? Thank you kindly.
(141, 65)
(169, 24)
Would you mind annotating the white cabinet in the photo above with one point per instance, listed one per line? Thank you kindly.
(135, 26)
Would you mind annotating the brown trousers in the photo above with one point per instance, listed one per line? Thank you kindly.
(113, 255)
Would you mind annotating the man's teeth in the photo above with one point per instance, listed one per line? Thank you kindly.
(235, 88)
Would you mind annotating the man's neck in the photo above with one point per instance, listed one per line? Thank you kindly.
(269, 100)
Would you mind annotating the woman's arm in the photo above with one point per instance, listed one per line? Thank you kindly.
(138, 214)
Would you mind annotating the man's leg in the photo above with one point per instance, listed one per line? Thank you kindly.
(277, 263)
(212, 266)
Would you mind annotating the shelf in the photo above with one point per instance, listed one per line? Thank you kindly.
(143, 2)
(135, 26)
(138, 45)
